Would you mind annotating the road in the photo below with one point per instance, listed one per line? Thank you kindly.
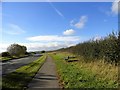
(12, 65)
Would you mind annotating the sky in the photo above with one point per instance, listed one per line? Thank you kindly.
(54, 25)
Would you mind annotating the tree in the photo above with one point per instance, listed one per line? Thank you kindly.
(16, 50)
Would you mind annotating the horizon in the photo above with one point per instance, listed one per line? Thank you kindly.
(54, 25)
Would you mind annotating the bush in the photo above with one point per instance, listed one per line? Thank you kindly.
(5, 54)
(106, 48)
(43, 51)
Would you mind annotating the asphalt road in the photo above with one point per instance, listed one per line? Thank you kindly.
(12, 65)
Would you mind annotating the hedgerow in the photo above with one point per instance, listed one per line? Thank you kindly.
(107, 48)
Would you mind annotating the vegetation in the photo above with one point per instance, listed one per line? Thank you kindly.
(92, 70)
(106, 48)
(5, 54)
(16, 50)
(83, 74)
(5, 58)
(43, 51)
(22, 76)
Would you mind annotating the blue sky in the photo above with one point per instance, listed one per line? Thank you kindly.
(53, 25)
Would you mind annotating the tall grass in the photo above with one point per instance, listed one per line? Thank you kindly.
(84, 74)
(100, 69)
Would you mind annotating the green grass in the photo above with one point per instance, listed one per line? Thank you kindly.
(10, 58)
(23, 75)
(73, 75)
(5, 58)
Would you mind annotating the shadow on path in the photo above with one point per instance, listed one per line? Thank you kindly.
(46, 76)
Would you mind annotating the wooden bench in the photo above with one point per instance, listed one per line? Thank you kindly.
(69, 57)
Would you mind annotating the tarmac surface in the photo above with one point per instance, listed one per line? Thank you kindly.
(12, 65)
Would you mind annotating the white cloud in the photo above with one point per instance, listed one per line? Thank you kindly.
(115, 7)
(49, 42)
(13, 29)
(47, 46)
(81, 23)
(69, 32)
(54, 38)
(40, 46)
(3, 47)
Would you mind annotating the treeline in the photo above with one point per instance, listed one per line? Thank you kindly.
(107, 48)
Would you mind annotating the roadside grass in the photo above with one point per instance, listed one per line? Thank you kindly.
(83, 74)
(3, 59)
(22, 76)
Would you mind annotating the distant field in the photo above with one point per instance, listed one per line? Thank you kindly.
(83, 74)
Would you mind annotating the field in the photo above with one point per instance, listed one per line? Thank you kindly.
(83, 74)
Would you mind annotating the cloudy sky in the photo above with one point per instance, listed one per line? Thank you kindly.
(53, 25)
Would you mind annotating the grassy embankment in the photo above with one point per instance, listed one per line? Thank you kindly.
(81, 74)
(23, 75)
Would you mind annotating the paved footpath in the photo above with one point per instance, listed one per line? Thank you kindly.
(46, 76)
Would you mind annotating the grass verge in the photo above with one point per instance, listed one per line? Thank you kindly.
(85, 75)
(22, 76)
(5, 58)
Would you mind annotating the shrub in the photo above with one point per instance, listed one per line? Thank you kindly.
(43, 51)
(5, 54)
(106, 48)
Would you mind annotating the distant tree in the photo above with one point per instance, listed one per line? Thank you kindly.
(16, 50)
(33, 52)
(27, 53)
(43, 51)
(5, 54)
(24, 49)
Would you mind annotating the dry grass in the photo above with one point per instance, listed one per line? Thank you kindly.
(101, 69)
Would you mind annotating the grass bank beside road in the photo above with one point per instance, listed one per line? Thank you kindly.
(4, 59)
(23, 75)
(83, 74)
